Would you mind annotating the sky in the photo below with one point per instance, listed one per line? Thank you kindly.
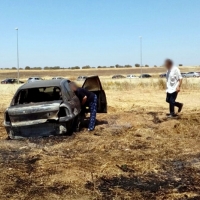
(70, 33)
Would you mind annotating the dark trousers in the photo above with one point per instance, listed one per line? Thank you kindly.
(171, 99)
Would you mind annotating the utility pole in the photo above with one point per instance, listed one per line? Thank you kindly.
(17, 57)
(141, 55)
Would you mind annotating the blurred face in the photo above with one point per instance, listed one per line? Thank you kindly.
(168, 64)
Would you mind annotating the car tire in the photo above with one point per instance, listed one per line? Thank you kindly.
(80, 121)
(74, 125)
(70, 126)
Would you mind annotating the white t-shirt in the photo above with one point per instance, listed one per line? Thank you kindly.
(173, 76)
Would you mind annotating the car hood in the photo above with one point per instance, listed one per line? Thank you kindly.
(36, 113)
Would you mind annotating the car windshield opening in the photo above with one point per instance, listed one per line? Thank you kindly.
(36, 95)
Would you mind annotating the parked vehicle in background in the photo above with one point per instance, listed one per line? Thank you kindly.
(118, 76)
(57, 78)
(33, 79)
(145, 76)
(131, 76)
(183, 74)
(163, 75)
(81, 78)
(49, 107)
(11, 81)
(191, 74)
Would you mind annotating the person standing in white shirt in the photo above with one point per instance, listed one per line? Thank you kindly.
(174, 82)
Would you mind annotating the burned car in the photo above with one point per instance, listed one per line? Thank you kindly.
(44, 108)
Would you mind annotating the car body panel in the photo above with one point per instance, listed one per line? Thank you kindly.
(118, 76)
(191, 74)
(81, 78)
(145, 76)
(163, 75)
(41, 130)
(131, 76)
(57, 78)
(183, 74)
(33, 79)
(29, 114)
(11, 81)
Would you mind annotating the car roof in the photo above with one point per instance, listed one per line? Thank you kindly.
(45, 83)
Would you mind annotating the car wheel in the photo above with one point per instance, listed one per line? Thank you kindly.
(70, 125)
(80, 121)
(194, 76)
(75, 125)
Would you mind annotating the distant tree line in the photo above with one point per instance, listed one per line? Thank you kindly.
(77, 67)
(33, 68)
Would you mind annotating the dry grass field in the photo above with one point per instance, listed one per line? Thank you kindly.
(135, 152)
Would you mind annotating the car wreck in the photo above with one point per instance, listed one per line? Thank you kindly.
(45, 108)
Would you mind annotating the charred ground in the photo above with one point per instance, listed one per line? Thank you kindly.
(134, 153)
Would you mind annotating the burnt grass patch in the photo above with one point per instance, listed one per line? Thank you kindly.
(26, 172)
(31, 189)
(177, 176)
(156, 119)
(22, 177)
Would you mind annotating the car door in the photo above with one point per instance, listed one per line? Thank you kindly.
(93, 84)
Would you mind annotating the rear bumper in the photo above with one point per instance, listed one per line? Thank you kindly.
(39, 130)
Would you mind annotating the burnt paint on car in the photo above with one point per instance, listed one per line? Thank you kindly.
(35, 119)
